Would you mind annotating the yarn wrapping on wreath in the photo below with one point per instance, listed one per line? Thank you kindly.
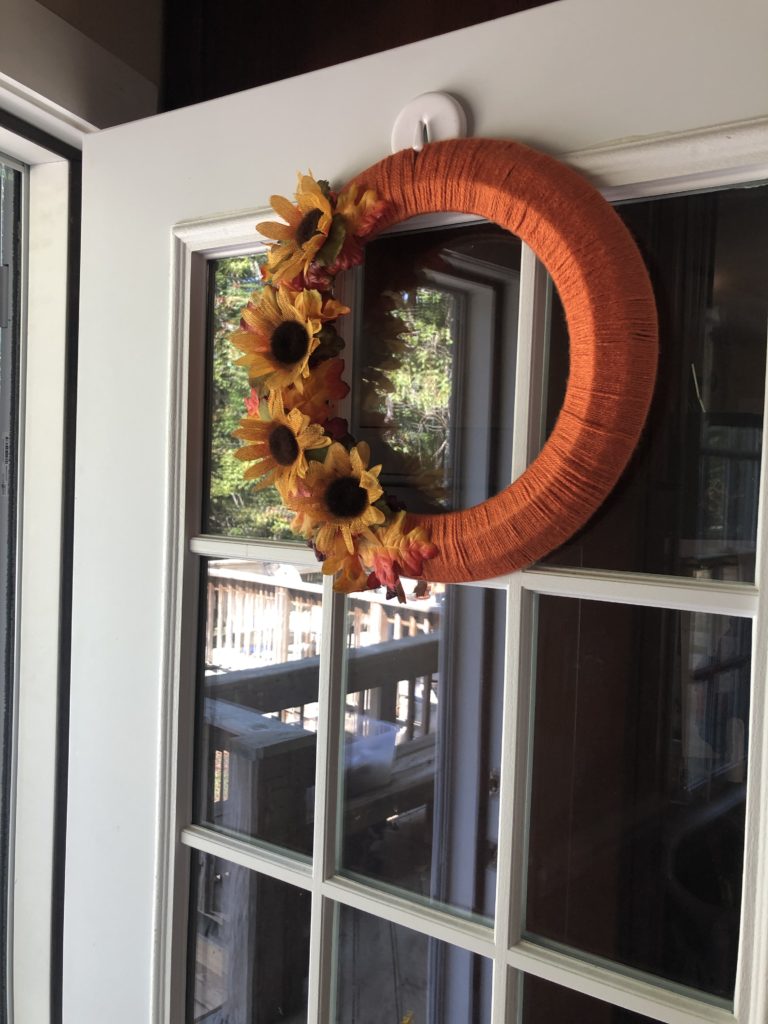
(613, 337)
(612, 326)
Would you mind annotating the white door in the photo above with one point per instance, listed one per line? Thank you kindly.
(162, 199)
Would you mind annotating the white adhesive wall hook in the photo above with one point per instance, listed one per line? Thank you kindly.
(430, 117)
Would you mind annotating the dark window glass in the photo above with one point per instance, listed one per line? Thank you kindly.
(687, 503)
(435, 363)
(249, 946)
(546, 1003)
(422, 744)
(257, 706)
(388, 974)
(638, 787)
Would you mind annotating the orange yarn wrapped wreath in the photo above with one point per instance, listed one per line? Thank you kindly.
(612, 325)
(291, 350)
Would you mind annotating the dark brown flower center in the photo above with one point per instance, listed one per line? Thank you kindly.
(283, 445)
(289, 342)
(345, 498)
(308, 226)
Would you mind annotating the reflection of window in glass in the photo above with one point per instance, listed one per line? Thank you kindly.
(422, 727)
(687, 503)
(435, 362)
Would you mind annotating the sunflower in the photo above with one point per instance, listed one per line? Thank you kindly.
(348, 570)
(277, 445)
(338, 495)
(278, 334)
(304, 233)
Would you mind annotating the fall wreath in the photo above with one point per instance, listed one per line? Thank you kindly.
(290, 346)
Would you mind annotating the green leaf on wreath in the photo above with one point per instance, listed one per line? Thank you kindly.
(329, 253)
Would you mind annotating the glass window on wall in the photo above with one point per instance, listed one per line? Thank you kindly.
(687, 503)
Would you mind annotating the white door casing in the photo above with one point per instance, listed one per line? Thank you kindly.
(566, 77)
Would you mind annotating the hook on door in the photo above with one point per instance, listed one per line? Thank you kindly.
(428, 118)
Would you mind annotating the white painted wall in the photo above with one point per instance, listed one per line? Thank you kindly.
(566, 76)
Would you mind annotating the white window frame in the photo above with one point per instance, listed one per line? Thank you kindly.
(699, 160)
(46, 318)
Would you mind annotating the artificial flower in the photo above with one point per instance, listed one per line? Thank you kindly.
(277, 445)
(304, 233)
(359, 213)
(347, 568)
(338, 496)
(278, 334)
(398, 553)
(293, 438)
(321, 391)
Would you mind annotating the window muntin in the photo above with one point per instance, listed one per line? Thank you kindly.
(330, 890)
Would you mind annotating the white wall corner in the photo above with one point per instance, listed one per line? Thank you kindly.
(47, 58)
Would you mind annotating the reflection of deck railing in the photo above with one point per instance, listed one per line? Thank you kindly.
(251, 617)
(237, 704)
(378, 669)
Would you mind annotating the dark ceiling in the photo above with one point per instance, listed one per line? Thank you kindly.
(214, 47)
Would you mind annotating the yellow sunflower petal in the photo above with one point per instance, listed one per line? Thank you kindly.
(337, 459)
(274, 229)
(285, 208)
(309, 303)
(258, 364)
(288, 307)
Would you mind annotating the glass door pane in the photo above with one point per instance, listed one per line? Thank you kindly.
(547, 1003)
(435, 363)
(249, 946)
(422, 744)
(257, 701)
(388, 974)
(639, 787)
(687, 503)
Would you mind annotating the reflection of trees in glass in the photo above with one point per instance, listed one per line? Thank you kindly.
(418, 407)
(234, 507)
(415, 402)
